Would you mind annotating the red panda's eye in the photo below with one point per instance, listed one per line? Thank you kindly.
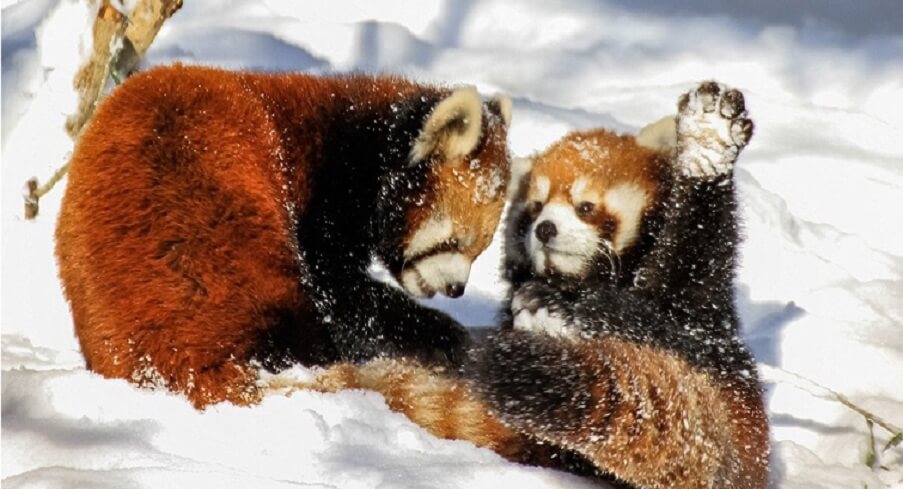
(534, 208)
(585, 208)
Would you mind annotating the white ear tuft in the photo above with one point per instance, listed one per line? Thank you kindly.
(452, 128)
(520, 173)
(661, 135)
(503, 102)
(627, 201)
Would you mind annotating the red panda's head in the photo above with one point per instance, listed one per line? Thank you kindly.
(581, 206)
(462, 145)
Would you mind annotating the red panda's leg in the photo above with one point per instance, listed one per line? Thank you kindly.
(696, 252)
(367, 319)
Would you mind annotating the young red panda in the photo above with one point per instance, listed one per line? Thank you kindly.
(620, 348)
(213, 219)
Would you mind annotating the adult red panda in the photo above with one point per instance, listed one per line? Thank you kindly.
(214, 218)
(620, 348)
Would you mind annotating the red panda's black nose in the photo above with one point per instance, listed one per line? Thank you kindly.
(454, 290)
(545, 231)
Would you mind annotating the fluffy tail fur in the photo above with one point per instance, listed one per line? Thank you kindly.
(639, 414)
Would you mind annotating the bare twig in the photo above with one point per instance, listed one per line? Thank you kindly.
(119, 43)
(893, 442)
(779, 375)
(871, 457)
(35, 192)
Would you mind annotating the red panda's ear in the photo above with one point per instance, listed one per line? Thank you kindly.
(661, 135)
(452, 129)
(501, 105)
(520, 178)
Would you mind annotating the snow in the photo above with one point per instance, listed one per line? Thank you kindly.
(820, 288)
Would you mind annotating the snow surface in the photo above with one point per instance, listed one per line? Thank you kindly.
(820, 289)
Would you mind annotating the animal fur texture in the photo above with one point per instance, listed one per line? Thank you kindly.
(215, 219)
(620, 347)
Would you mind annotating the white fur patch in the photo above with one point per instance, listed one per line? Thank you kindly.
(627, 201)
(580, 192)
(452, 128)
(434, 273)
(520, 167)
(544, 322)
(432, 232)
(504, 103)
(568, 264)
(572, 247)
(661, 135)
(540, 189)
(410, 281)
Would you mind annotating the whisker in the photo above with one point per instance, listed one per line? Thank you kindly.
(614, 261)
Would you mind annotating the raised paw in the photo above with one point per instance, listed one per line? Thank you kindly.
(712, 129)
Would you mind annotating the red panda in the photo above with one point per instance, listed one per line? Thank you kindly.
(620, 346)
(214, 220)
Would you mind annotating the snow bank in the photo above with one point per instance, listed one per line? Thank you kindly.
(820, 288)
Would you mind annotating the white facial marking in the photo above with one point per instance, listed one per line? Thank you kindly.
(434, 273)
(410, 280)
(540, 191)
(580, 192)
(577, 188)
(627, 201)
(570, 249)
(433, 231)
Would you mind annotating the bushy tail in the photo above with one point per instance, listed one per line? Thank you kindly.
(441, 403)
(644, 415)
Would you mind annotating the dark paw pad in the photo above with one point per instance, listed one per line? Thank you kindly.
(712, 129)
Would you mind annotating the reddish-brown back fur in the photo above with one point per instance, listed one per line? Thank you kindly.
(176, 241)
(131, 280)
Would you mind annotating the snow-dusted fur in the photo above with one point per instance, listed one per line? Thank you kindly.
(637, 365)
(216, 218)
(631, 368)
